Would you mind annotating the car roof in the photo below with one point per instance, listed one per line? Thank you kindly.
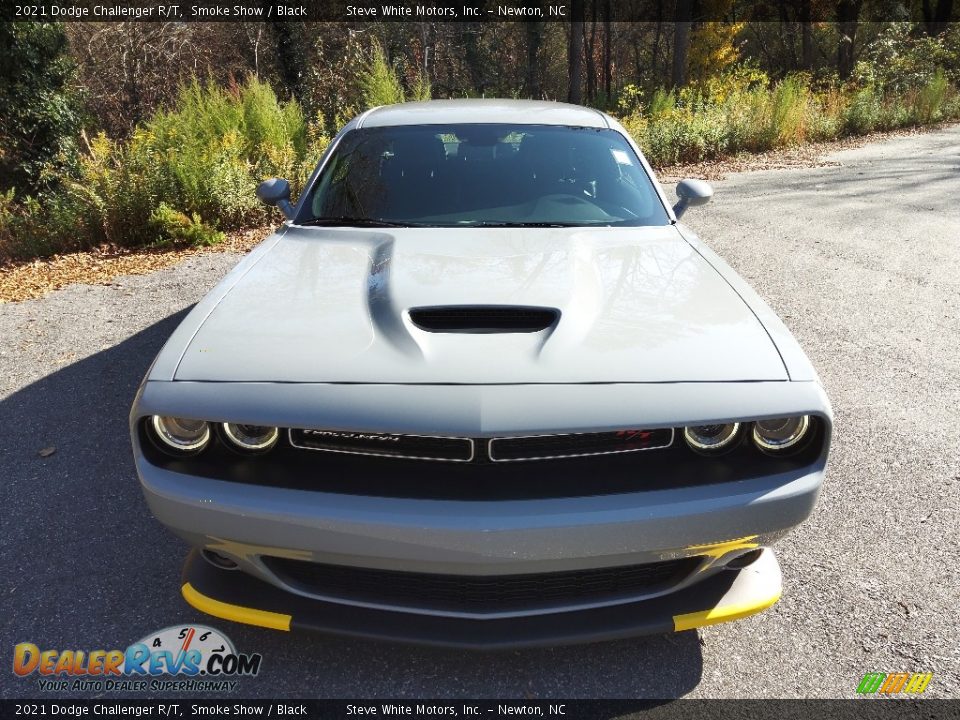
(517, 112)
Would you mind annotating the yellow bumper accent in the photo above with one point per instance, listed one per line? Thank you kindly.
(715, 551)
(722, 613)
(237, 613)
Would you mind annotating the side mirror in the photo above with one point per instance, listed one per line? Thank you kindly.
(276, 192)
(691, 194)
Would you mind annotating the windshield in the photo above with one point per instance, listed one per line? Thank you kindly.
(484, 176)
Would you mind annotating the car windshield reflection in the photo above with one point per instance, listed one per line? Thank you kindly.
(484, 176)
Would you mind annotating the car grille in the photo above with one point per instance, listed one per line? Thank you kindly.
(544, 447)
(465, 450)
(414, 447)
(480, 594)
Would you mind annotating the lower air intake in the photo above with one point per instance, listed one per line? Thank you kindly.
(479, 594)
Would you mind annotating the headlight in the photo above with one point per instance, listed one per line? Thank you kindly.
(252, 438)
(180, 434)
(780, 433)
(711, 438)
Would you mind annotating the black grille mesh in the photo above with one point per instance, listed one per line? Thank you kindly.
(480, 450)
(578, 444)
(385, 444)
(479, 593)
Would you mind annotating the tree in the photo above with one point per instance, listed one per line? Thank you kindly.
(607, 52)
(935, 18)
(131, 69)
(379, 82)
(575, 53)
(681, 43)
(39, 116)
(534, 42)
(848, 13)
(712, 49)
(291, 56)
(473, 58)
(806, 35)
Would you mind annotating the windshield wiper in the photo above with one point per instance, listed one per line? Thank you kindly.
(344, 221)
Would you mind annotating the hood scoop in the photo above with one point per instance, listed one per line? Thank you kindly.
(484, 318)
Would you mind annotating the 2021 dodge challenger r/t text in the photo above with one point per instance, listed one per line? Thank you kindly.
(481, 389)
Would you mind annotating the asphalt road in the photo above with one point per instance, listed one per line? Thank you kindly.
(862, 261)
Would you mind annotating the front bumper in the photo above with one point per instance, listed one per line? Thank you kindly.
(726, 595)
(712, 521)
(464, 537)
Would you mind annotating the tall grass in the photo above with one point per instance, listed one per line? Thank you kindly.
(789, 111)
(189, 173)
(700, 124)
(930, 103)
(185, 175)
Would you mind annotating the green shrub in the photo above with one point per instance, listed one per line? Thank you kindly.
(184, 176)
(40, 115)
(209, 152)
(177, 227)
(789, 111)
(32, 227)
(826, 115)
(930, 101)
(630, 100)
(316, 145)
(663, 102)
(864, 112)
(379, 81)
(420, 88)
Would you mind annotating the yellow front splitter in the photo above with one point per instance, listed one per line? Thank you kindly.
(236, 613)
(721, 597)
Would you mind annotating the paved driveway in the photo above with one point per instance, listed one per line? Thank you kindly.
(863, 263)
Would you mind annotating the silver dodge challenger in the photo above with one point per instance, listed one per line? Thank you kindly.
(482, 389)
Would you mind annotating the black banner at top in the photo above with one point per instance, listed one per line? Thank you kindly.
(364, 11)
(188, 708)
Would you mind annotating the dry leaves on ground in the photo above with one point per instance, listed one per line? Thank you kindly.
(35, 279)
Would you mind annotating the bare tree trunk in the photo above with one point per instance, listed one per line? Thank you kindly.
(655, 48)
(681, 44)
(591, 43)
(785, 35)
(425, 44)
(848, 12)
(575, 53)
(806, 36)
(534, 42)
(469, 35)
(935, 19)
(288, 57)
(607, 52)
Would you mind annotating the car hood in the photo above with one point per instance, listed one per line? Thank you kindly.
(332, 305)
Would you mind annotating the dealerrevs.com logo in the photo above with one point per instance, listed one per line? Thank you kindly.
(182, 657)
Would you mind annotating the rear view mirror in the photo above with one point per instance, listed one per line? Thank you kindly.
(276, 192)
(691, 194)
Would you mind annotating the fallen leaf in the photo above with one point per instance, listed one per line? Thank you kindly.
(101, 266)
